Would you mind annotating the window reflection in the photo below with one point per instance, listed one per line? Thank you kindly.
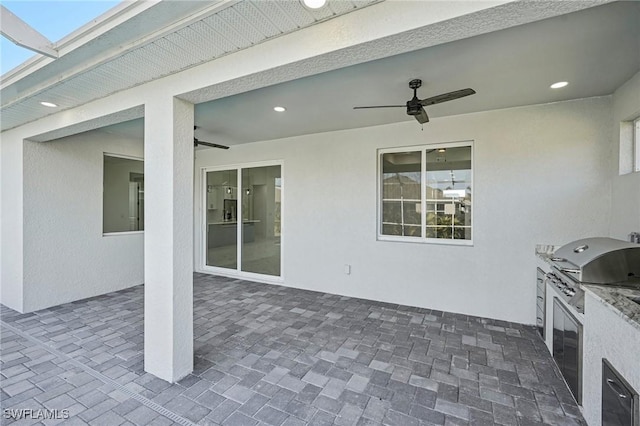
(445, 194)
(401, 194)
(261, 211)
(448, 175)
(122, 195)
(258, 200)
(222, 211)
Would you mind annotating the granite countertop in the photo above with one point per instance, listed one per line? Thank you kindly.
(545, 252)
(618, 300)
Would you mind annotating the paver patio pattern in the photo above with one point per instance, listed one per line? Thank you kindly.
(273, 355)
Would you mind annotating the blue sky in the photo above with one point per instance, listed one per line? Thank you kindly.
(53, 18)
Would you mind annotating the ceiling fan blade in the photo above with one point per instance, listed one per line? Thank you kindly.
(445, 97)
(381, 106)
(212, 145)
(422, 117)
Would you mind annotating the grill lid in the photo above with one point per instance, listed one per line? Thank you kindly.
(599, 260)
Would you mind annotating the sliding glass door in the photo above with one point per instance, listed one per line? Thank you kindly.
(222, 208)
(261, 200)
(244, 226)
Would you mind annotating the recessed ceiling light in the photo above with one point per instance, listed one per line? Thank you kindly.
(279, 109)
(48, 104)
(314, 4)
(559, 84)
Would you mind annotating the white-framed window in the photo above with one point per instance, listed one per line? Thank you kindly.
(636, 144)
(425, 193)
(122, 194)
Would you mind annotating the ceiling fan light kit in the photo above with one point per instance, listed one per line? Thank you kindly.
(415, 106)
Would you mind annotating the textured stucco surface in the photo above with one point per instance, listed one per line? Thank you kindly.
(383, 29)
(92, 124)
(11, 208)
(289, 57)
(168, 262)
(537, 172)
(66, 256)
(625, 188)
(606, 335)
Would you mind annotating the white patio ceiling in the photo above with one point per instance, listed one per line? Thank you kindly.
(596, 50)
(509, 54)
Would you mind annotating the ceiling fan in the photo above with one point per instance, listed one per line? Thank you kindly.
(415, 106)
(197, 142)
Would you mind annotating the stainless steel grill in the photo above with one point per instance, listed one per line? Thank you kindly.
(599, 261)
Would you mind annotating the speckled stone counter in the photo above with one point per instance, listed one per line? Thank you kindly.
(543, 256)
(618, 300)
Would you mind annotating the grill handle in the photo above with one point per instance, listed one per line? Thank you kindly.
(570, 270)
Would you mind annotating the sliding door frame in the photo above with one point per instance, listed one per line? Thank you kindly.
(238, 273)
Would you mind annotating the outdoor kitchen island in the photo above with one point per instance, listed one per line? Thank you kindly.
(611, 332)
(607, 336)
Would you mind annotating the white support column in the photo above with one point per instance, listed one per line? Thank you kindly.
(168, 241)
(12, 292)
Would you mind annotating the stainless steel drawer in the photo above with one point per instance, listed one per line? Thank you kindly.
(619, 400)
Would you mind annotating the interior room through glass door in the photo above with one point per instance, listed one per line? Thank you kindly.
(261, 196)
(222, 219)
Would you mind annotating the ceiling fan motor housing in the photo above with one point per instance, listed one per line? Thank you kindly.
(414, 107)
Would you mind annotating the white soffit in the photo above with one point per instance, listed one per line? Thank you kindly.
(164, 38)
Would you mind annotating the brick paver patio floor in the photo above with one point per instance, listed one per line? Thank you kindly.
(272, 355)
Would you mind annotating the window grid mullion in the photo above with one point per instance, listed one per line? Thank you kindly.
(636, 144)
(239, 229)
(423, 194)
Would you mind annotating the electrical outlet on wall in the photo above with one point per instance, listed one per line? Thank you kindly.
(347, 269)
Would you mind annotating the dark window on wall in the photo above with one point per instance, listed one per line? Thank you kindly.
(425, 193)
(122, 195)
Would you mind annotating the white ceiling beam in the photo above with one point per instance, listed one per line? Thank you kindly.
(22, 34)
